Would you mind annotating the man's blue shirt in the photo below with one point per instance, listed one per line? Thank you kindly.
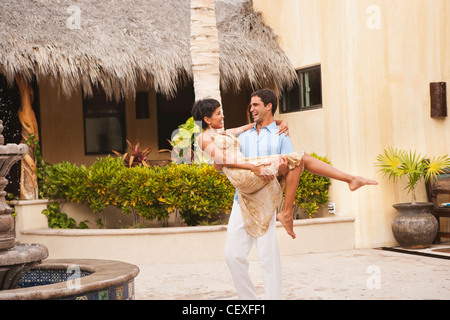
(266, 143)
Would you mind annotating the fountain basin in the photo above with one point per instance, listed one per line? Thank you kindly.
(80, 279)
(23, 276)
(16, 261)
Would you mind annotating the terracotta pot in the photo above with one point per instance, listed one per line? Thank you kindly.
(414, 227)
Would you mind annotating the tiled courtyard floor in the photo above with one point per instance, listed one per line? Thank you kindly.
(358, 274)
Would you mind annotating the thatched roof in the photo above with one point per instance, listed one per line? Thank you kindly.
(123, 42)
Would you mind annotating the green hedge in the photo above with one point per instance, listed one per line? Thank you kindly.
(199, 192)
(312, 191)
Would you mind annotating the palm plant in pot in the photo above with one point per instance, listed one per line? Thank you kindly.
(414, 226)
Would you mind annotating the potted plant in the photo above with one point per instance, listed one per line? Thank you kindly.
(414, 226)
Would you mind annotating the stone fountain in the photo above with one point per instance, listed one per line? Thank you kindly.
(15, 260)
(25, 276)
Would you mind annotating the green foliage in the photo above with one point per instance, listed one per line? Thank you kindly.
(41, 165)
(410, 164)
(102, 183)
(143, 189)
(10, 197)
(63, 181)
(199, 192)
(312, 190)
(184, 144)
(59, 220)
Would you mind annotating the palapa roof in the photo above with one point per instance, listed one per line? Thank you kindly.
(124, 42)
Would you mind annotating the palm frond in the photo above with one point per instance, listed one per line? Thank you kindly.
(413, 167)
(435, 166)
(399, 163)
(390, 163)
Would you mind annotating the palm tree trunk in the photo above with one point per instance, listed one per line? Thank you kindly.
(413, 196)
(204, 47)
(28, 182)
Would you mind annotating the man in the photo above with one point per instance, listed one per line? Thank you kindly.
(261, 140)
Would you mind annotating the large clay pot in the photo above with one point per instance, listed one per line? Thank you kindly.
(414, 227)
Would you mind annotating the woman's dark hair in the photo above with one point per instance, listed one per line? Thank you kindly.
(267, 96)
(204, 108)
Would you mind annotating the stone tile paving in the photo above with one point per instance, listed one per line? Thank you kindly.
(349, 275)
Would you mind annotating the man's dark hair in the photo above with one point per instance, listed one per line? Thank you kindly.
(204, 108)
(267, 96)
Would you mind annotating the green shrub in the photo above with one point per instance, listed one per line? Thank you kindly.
(142, 189)
(199, 192)
(153, 192)
(64, 181)
(60, 220)
(312, 190)
(103, 182)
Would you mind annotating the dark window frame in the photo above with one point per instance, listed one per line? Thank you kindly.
(294, 100)
(117, 111)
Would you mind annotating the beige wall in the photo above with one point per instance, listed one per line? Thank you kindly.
(378, 58)
(62, 135)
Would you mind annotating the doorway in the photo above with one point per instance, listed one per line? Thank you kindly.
(172, 113)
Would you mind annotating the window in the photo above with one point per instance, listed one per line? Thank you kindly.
(141, 102)
(307, 94)
(104, 124)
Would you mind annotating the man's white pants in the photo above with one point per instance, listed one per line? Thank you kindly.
(237, 248)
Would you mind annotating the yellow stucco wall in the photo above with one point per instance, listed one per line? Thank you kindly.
(378, 58)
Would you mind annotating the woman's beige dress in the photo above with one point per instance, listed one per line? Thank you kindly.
(258, 199)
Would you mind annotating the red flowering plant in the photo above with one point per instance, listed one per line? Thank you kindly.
(135, 156)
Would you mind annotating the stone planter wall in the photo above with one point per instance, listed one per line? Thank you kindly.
(169, 245)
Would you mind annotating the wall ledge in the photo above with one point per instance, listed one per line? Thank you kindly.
(30, 202)
(172, 230)
(182, 244)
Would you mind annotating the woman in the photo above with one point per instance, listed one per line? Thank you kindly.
(258, 181)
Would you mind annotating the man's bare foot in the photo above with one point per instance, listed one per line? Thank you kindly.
(358, 182)
(287, 221)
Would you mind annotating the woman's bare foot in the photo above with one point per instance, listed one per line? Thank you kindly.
(287, 221)
(358, 182)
